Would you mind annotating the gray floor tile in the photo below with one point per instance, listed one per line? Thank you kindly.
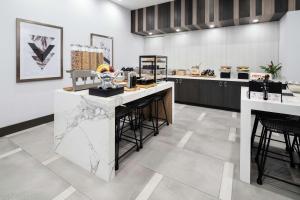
(38, 142)
(195, 170)
(249, 192)
(170, 189)
(213, 133)
(171, 134)
(22, 177)
(78, 196)
(128, 183)
(217, 148)
(6, 145)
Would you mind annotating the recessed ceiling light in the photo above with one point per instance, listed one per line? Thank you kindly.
(255, 20)
(177, 30)
(212, 26)
(150, 33)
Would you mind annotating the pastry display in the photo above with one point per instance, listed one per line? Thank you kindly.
(180, 72)
(242, 69)
(195, 71)
(243, 72)
(225, 71)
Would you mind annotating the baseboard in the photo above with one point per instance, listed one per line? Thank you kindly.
(206, 106)
(25, 125)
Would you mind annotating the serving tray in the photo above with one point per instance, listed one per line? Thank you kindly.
(106, 93)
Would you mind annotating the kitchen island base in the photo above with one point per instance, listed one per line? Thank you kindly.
(84, 126)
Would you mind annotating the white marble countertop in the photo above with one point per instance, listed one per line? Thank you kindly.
(213, 79)
(286, 100)
(123, 98)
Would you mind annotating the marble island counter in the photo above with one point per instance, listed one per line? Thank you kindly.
(84, 126)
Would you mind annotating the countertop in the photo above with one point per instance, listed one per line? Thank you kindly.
(293, 101)
(213, 79)
(123, 98)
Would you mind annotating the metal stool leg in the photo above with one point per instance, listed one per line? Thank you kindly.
(261, 165)
(117, 145)
(135, 136)
(263, 133)
(141, 127)
(290, 150)
(254, 131)
(156, 117)
(165, 110)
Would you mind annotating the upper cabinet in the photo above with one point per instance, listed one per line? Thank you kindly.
(226, 9)
(187, 15)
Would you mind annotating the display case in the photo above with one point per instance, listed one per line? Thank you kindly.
(153, 68)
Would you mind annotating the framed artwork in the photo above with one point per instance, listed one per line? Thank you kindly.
(106, 44)
(39, 51)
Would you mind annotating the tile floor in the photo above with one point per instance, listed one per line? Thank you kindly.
(195, 158)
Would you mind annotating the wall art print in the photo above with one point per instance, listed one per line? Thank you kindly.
(39, 51)
(105, 43)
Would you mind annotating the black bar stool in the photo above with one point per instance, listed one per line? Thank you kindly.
(122, 113)
(260, 115)
(282, 126)
(160, 98)
(139, 106)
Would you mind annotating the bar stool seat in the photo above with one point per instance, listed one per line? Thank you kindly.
(262, 114)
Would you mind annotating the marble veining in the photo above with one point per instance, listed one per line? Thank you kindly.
(84, 127)
(86, 110)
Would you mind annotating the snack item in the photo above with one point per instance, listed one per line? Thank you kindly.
(85, 58)
(93, 59)
(76, 57)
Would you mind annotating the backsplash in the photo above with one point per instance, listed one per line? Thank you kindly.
(248, 45)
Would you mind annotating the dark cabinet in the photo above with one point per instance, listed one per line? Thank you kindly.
(220, 94)
(186, 90)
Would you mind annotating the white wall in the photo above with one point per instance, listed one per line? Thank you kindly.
(79, 18)
(248, 45)
(289, 53)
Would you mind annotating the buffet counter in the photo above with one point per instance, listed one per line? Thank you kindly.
(290, 105)
(84, 126)
(209, 78)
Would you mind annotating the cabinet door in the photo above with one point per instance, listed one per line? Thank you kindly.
(232, 94)
(205, 92)
(190, 91)
(177, 88)
(216, 94)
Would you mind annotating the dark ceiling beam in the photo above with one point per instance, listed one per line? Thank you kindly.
(297, 5)
(280, 8)
(226, 12)
(186, 15)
